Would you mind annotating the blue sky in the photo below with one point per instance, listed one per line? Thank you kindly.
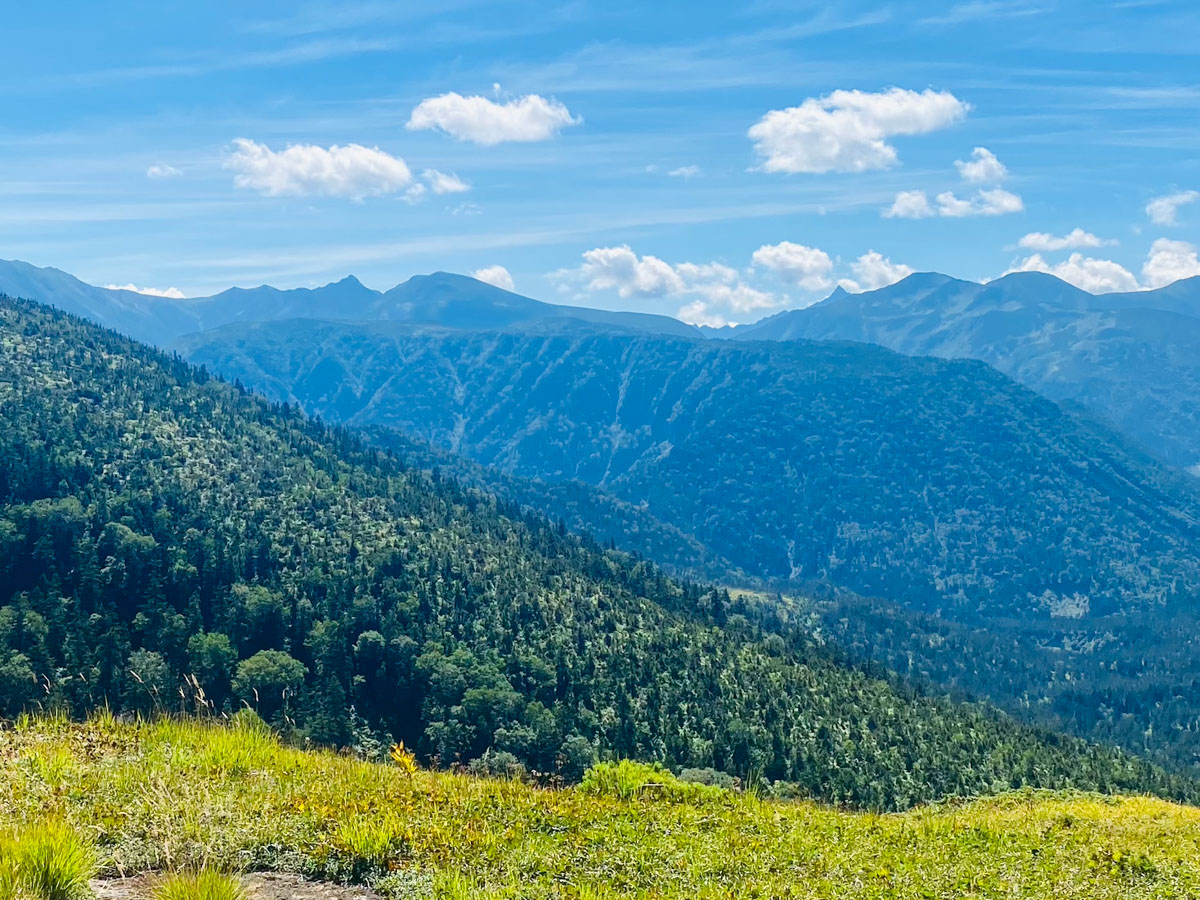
(719, 160)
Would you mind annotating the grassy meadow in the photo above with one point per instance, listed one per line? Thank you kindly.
(204, 800)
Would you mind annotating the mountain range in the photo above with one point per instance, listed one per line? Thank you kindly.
(930, 514)
(169, 540)
(445, 299)
(1132, 358)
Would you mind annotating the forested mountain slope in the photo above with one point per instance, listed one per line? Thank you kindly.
(1132, 358)
(942, 484)
(1020, 552)
(158, 524)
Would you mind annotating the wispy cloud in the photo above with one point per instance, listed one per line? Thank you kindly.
(1165, 210)
(982, 10)
(703, 65)
(226, 61)
(1075, 239)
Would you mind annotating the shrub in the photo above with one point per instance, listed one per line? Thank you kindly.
(629, 780)
(404, 885)
(203, 885)
(576, 756)
(497, 764)
(709, 776)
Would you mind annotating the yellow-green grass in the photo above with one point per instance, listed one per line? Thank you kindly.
(45, 859)
(202, 885)
(189, 796)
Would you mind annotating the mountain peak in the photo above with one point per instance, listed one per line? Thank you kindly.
(1044, 279)
(921, 281)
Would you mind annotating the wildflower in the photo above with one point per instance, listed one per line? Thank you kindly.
(404, 758)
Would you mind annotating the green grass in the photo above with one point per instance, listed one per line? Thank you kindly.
(203, 885)
(181, 796)
(45, 859)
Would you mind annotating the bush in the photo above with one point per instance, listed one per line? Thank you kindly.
(629, 780)
(268, 679)
(576, 756)
(497, 764)
(404, 885)
(709, 776)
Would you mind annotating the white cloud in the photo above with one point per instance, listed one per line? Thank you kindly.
(1164, 210)
(872, 271)
(737, 297)
(1099, 276)
(622, 270)
(710, 287)
(698, 313)
(805, 267)
(162, 171)
(1076, 239)
(685, 172)
(982, 167)
(484, 121)
(443, 183)
(916, 205)
(909, 205)
(1167, 262)
(1170, 261)
(352, 171)
(995, 202)
(170, 293)
(495, 275)
(845, 131)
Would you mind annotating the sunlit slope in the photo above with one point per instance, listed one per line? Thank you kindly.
(174, 795)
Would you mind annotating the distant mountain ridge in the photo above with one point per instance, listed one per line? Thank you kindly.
(1132, 358)
(442, 299)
